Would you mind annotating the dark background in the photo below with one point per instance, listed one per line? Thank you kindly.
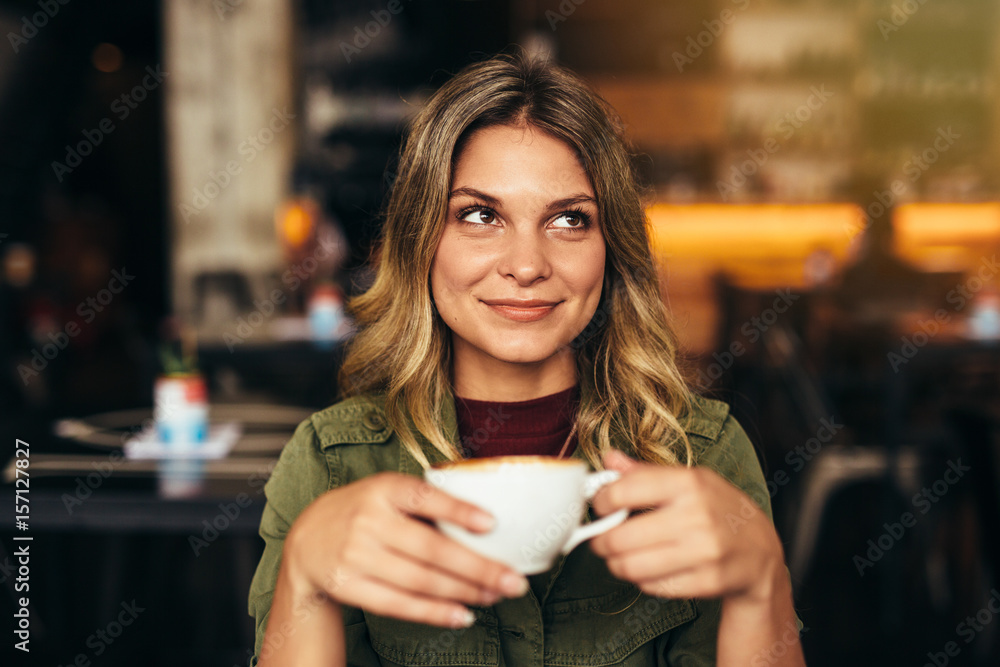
(113, 211)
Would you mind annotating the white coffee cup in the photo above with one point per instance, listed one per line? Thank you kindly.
(538, 502)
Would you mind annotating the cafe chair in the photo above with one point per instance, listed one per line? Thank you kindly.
(837, 464)
(978, 426)
(835, 467)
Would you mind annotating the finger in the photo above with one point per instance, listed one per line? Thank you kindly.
(615, 459)
(401, 572)
(425, 544)
(700, 554)
(691, 583)
(642, 486)
(419, 498)
(377, 598)
(644, 531)
(661, 561)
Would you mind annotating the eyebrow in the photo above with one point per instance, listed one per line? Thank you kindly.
(579, 198)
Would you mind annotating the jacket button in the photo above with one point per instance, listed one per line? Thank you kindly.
(373, 421)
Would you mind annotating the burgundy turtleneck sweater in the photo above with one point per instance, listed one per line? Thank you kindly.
(538, 426)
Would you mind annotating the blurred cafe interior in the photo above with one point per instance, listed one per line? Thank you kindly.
(193, 190)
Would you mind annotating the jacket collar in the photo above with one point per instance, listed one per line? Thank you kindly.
(706, 419)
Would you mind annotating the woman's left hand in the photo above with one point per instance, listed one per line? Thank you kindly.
(699, 536)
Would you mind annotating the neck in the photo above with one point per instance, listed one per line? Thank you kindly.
(485, 378)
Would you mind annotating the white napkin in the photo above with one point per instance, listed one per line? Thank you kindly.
(220, 441)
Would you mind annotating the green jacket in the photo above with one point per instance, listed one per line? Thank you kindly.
(578, 613)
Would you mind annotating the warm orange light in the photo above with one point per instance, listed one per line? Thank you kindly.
(946, 237)
(106, 57)
(296, 221)
(757, 245)
(753, 230)
(947, 224)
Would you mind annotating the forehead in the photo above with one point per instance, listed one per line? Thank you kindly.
(519, 155)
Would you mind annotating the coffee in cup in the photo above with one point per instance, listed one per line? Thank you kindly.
(538, 502)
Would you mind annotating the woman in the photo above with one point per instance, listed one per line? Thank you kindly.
(516, 309)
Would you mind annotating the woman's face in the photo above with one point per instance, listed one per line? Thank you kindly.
(518, 272)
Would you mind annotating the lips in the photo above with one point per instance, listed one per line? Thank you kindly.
(522, 310)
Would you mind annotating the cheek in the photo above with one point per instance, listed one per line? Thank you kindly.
(588, 273)
(442, 268)
(447, 288)
(456, 267)
(447, 276)
(441, 282)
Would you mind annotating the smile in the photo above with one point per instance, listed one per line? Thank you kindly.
(528, 312)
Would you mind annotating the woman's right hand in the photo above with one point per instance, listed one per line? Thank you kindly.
(364, 544)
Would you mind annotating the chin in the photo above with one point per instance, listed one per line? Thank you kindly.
(531, 353)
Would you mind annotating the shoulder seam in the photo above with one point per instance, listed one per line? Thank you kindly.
(350, 421)
(708, 417)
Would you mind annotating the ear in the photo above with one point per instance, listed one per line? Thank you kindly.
(615, 459)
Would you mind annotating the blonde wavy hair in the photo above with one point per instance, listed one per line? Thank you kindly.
(627, 354)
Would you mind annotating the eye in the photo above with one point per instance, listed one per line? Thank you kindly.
(478, 216)
(571, 220)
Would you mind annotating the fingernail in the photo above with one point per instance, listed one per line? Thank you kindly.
(483, 521)
(514, 585)
(463, 618)
(488, 599)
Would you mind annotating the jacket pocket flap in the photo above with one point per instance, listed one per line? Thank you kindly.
(415, 644)
(606, 629)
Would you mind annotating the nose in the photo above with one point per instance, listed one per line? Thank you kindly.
(524, 258)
